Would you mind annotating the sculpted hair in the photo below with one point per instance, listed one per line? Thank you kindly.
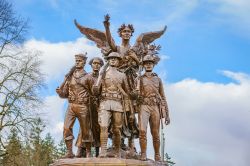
(123, 26)
(100, 60)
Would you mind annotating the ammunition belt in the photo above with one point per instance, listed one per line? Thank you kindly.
(151, 101)
(111, 96)
(74, 100)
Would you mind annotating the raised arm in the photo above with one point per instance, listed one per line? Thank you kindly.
(108, 34)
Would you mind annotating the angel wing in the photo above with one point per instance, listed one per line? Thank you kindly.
(143, 41)
(94, 35)
(149, 37)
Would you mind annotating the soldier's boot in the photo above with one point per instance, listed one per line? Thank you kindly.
(117, 143)
(156, 144)
(143, 145)
(123, 145)
(88, 150)
(79, 152)
(131, 146)
(69, 153)
(104, 140)
(84, 152)
(97, 151)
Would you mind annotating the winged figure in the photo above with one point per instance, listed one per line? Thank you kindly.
(132, 55)
(97, 36)
(106, 43)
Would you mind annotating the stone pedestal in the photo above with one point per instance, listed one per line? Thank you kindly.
(105, 162)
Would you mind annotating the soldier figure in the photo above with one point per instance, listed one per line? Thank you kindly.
(113, 87)
(96, 63)
(153, 107)
(78, 97)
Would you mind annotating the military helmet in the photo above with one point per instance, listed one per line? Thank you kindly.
(151, 58)
(114, 54)
(148, 58)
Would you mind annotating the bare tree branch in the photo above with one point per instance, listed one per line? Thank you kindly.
(20, 76)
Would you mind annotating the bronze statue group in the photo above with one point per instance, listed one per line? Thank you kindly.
(106, 100)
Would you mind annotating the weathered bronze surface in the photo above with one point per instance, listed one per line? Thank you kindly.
(105, 102)
(74, 89)
(153, 107)
(96, 63)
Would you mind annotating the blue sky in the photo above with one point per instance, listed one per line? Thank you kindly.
(200, 39)
(205, 63)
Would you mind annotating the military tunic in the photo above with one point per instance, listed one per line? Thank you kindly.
(78, 97)
(153, 107)
(89, 81)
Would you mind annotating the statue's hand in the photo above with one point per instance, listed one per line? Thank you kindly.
(58, 90)
(106, 20)
(134, 94)
(131, 118)
(95, 90)
(167, 121)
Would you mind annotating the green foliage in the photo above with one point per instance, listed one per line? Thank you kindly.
(34, 150)
(13, 150)
(167, 158)
(61, 149)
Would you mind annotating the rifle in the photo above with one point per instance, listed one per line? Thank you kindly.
(65, 82)
(138, 83)
(125, 97)
(101, 75)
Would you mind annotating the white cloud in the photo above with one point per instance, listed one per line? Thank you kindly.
(58, 58)
(239, 77)
(164, 57)
(53, 114)
(210, 122)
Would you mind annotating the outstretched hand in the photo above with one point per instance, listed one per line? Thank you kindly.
(106, 20)
(107, 17)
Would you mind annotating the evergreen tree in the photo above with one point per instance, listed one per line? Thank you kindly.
(61, 149)
(167, 158)
(48, 149)
(35, 143)
(13, 150)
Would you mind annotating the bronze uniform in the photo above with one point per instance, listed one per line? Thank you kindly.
(89, 81)
(153, 99)
(78, 98)
(111, 106)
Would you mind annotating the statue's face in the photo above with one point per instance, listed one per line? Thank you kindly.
(79, 62)
(148, 65)
(96, 65)
(126, 33)
(113, 61)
